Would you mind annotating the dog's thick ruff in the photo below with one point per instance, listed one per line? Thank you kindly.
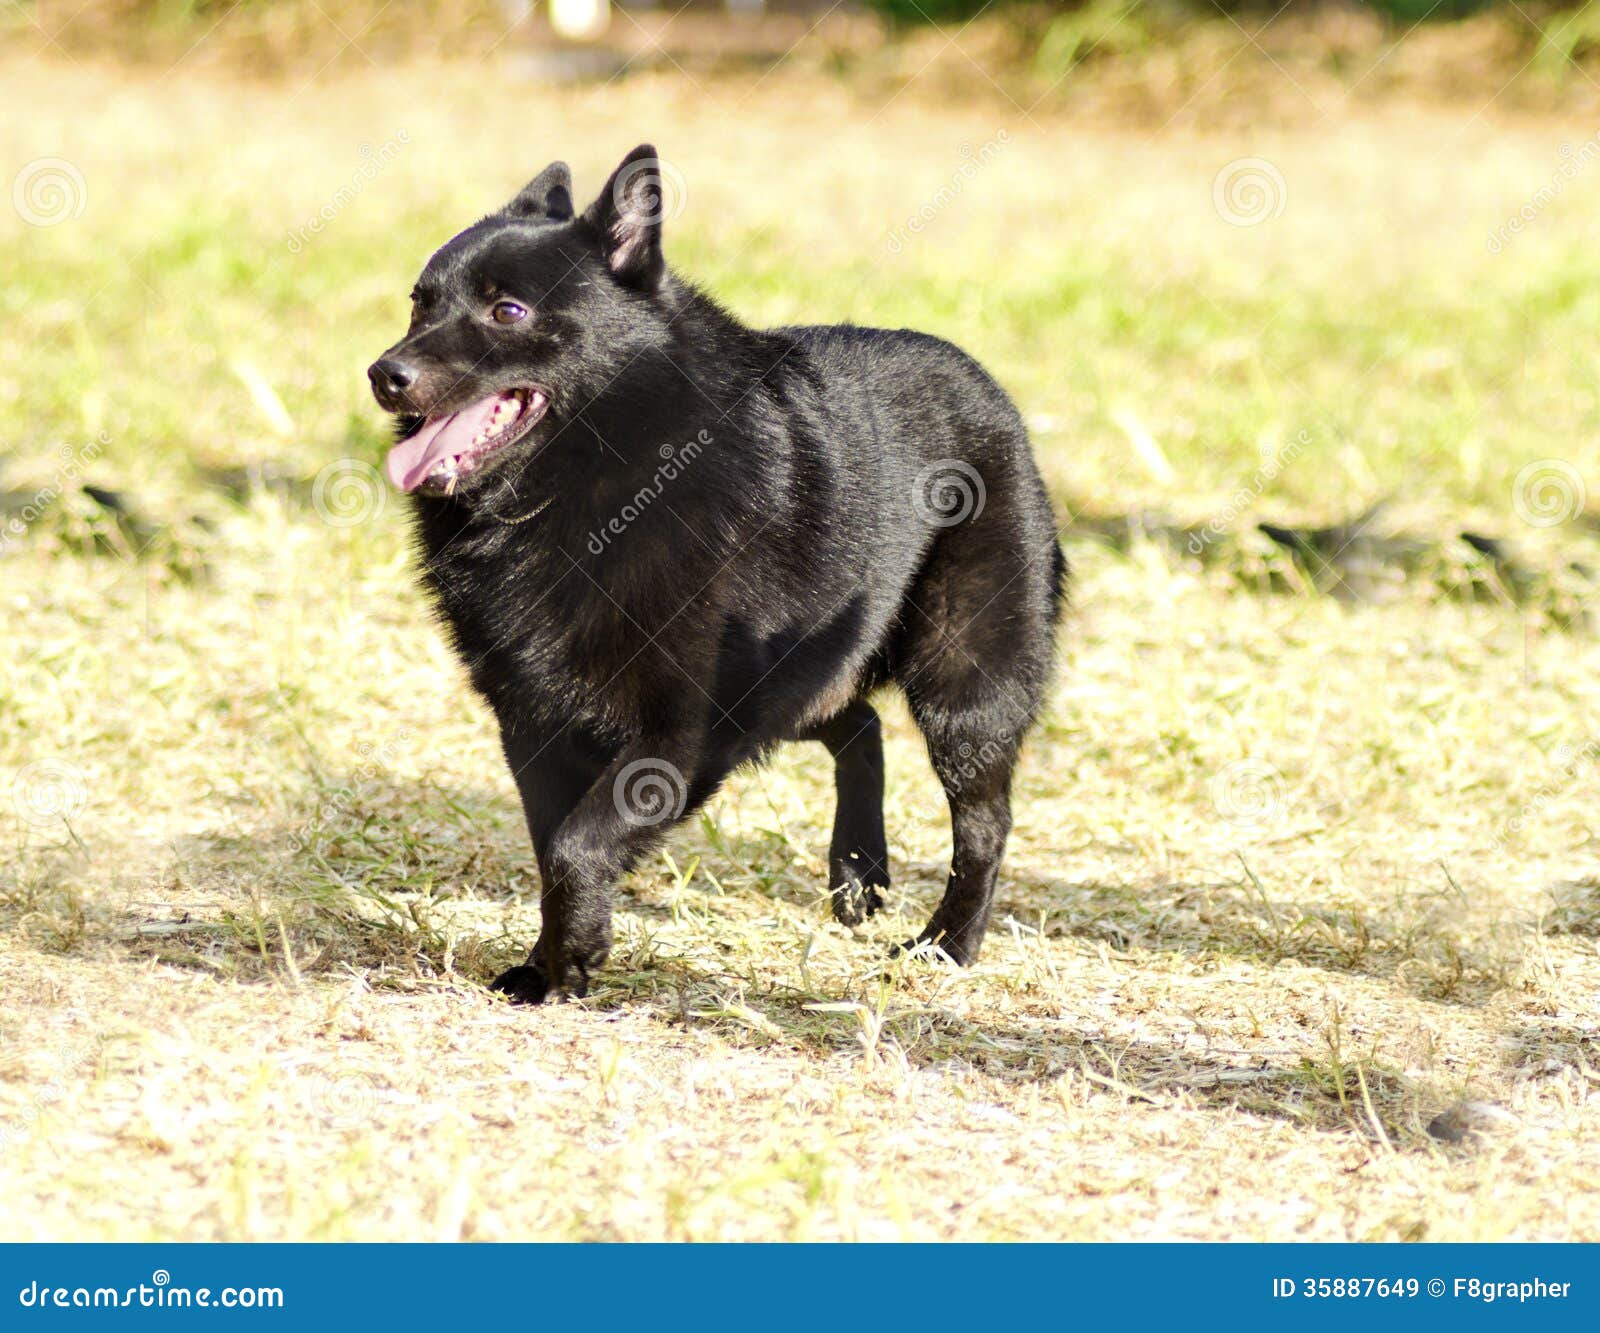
(714, 540)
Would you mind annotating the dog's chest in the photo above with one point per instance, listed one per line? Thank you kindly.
(541, 635)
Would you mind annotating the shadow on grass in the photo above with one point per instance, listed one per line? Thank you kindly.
(349, 882)
(889, 1034)
(1418, 943)
(420, 885)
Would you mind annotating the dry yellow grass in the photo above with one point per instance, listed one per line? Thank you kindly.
(1266, 911)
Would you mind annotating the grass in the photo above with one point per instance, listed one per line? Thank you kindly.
(1292, 874)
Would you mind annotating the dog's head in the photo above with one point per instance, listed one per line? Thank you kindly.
(519, 320)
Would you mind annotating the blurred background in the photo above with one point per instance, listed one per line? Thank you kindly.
(1183, 232)
(1153, 49)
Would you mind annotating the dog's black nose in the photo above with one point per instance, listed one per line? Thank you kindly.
(390, 378)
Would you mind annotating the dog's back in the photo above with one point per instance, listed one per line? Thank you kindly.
(938, 456)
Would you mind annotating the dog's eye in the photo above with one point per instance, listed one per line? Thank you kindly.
(508, 312)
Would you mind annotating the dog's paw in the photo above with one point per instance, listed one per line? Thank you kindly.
(853, 901)
(525, 985)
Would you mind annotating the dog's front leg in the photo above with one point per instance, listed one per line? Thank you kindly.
(627, 809)
(553, 773)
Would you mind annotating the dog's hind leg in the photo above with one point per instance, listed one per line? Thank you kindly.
(858, 857)
(975, 767)
(973, 658)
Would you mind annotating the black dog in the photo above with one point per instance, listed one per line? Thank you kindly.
(665, 542)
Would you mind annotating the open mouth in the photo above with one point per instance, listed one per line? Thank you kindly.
(453, 445)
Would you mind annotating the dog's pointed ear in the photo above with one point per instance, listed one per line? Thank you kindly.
(627, 215)
(548, 195)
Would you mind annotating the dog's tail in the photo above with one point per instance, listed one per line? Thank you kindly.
(1060, 574)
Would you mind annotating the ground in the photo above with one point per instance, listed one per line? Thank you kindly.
(1293, 873)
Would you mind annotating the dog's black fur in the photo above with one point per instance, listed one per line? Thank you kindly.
(718, 539)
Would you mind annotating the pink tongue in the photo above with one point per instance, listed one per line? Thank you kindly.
(411, 460)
